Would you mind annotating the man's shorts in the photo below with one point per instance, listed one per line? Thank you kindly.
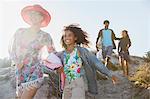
(107, 51)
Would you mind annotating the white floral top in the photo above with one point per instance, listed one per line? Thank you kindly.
(28, 54)
(72, 66)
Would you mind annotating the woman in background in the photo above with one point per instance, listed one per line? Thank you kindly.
(123, 50)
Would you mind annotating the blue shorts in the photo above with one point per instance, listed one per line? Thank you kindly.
(107, 51)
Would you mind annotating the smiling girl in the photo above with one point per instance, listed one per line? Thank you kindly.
(80, 65)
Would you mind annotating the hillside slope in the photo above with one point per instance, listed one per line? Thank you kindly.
(125, 89)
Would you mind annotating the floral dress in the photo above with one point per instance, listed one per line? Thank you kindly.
(72, 65)
(31, 74)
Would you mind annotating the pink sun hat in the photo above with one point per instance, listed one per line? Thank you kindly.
(38, 8)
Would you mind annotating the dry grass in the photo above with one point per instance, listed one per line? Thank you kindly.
(142, 76)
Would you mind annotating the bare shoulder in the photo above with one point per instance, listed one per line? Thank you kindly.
(44, 33)
(19, 32)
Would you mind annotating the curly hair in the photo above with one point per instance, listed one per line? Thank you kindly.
(81, 35)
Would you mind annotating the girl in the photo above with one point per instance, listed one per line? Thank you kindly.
(80, 65)
(26, 49)
(123, 51)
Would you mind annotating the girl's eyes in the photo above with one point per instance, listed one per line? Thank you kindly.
(69, 35)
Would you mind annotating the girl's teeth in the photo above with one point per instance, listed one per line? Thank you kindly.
(67, 40)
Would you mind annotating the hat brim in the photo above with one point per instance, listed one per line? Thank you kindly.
(38, 8)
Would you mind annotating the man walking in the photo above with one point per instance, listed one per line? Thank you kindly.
(107, 36)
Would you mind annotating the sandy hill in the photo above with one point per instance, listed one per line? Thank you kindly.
(125, 89)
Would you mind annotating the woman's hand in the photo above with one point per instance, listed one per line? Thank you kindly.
(20, 66)
(46, 63)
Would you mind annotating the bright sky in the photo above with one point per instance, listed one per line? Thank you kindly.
(133, 15)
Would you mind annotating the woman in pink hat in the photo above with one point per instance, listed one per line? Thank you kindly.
(27, 48)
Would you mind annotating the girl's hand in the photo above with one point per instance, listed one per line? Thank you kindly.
(114, 80)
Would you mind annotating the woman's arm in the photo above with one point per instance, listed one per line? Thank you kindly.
(129, 43)
(114, 36)
(119, 47)
(14, 49)
(14, 46)
(49, 43)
